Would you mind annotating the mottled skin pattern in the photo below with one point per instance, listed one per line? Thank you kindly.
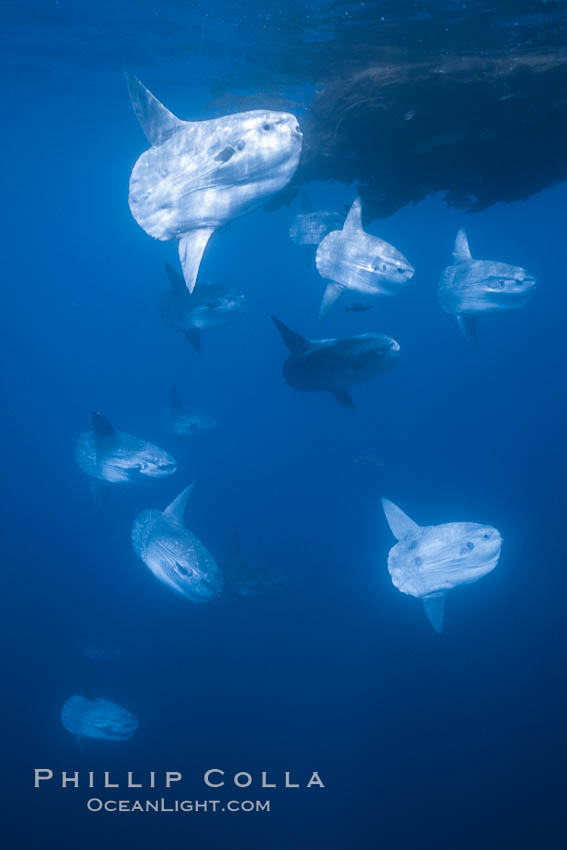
(176, 557)
(438, 558)
(98, 719)
(310, 228)
(122, 459)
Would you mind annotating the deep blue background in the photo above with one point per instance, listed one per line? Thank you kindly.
(423, 741)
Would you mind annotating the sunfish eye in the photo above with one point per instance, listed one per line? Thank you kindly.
(470, 546)
(267, 126)
(486, 536)
(241, 144)
(418, 561)
(384, 267)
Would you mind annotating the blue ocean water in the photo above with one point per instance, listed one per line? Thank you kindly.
(423, 741)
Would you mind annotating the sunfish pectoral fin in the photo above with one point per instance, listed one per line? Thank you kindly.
(157, 122)
(296, 343)
(176, 509)
(434, 608)
(353, 220)
(462, 252)
(344, 398)
(81, 743)
(467, 324)
(400, 523)
(194, 337)
(191, 248)
(332, 294)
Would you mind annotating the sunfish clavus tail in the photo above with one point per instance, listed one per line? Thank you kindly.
(198, 175)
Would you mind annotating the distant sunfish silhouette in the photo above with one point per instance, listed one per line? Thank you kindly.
(210, 306)
(181, 421)
(470, 287)
(113, 457)
(98, 719)
(353, 260)
(198, 175)
(174, 555)
(429, 561)
(334, 365)
(245, 578)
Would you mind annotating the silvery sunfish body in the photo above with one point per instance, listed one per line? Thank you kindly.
(429, 561)
(246, 578)
(334, 365)
(310, 226)
(470, 287)
(353, 260)
(198, 175)
(210, 306)
(98, 719)
(181, 421)
(113, 457)
(174, 555)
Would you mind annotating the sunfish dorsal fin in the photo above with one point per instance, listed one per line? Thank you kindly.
(175, 279)
(462, 252)
(191, 248)
(400, 523)
(175, 510)
(434, 607)
(296, 343)
(157, 122)
(353, 220)
(101, 426)
(306, 205)
(332, 294)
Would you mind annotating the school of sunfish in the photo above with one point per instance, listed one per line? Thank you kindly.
(196, 177)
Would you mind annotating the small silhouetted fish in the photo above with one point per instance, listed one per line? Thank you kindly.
(210, 306)
(199, 175)
(334, 365)
(246, 578)
(181, 421)
(351, 259)
(429, 561)
(113, 457)
(98, 719)
(358, 308)
(371, 460)
(97, 648)
(468, 288)
(174, 554)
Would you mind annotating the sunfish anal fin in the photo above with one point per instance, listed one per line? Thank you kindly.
(344, 398)
(191, 247)
(157, 122)
(296, 343)
(332, 294)
(175, 279)
(434, 607)
(400, 523)
(462, 252)
(467, 324)
(175, 510)
(194, 337)
(353, 220)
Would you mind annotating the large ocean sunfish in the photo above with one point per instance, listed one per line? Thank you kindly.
(353, 260)
(174, 554)
(468, 288)
(98, 719)
(428, 561)
(198, 175)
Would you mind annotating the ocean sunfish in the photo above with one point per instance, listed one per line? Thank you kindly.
(210, 306)
(182, 421)
(334, 365)
(429, 561)
(470, 287)
(310, 226)
(199, 175)
(98, 719)
(174, 555)
(245, 578)
(113, 457)
(353, 260)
